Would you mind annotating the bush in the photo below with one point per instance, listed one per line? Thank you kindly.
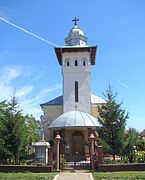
(62, 163)
(140, 156)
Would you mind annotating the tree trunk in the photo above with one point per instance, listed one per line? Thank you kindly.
(114, 157)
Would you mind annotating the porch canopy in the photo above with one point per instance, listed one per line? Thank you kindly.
(76, 119)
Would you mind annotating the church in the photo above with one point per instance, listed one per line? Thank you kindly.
(74, 113)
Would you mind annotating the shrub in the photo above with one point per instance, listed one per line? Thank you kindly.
(62, 163)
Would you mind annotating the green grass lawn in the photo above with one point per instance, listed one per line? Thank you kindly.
(128, 175)
(27, 176)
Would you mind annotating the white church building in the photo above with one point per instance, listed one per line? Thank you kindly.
(74, 113)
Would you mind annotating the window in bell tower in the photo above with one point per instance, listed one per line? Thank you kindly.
(67, 63)
(76, 92)
(76, 63)
(84, 62)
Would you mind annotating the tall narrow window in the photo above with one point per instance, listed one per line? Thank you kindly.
(76, 63)
(84, 62)
(67, 63)
(76, 92)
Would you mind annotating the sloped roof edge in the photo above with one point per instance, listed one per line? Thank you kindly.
(59, 101)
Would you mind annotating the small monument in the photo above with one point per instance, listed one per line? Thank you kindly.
(41, 150)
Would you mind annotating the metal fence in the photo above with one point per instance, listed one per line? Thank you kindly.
(76, 163)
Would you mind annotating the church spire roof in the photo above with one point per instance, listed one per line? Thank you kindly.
(76, 36)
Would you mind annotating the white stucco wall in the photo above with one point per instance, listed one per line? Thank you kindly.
(80, 73)
(50, 113)
(94, 110)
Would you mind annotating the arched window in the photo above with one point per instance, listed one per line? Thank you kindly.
(76, 92)
(84, 62)
(76, 63)
(67, 62)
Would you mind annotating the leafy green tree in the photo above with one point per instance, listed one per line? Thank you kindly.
(113, 120)
(17, 131)
(130, 144)
(141, 141)
(4, 153)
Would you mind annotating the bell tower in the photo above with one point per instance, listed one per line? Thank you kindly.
(76, 58)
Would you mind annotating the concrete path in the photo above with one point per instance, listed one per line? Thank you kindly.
(74, 176)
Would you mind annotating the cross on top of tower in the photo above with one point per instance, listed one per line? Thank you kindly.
(75, 20)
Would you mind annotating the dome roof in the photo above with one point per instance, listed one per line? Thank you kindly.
(75, 119)
(76, 31)
(76, 36)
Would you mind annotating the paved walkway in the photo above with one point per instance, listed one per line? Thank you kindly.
(74, 176)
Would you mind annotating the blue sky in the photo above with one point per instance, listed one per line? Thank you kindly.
(28, 65)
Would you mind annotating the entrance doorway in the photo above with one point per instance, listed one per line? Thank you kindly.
(76, 159)
(77, 143)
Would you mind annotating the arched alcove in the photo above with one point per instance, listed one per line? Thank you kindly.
(78, 143)
(67, 62)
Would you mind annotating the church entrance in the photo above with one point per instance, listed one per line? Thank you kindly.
(77, 143)
(76, 159)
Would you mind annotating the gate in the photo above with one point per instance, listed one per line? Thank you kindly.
(76, 163)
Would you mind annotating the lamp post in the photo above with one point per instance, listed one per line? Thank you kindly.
(57, 139)
(92, 139)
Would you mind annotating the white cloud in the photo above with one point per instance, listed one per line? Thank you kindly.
(32, 105)
(24, 91)
(34, 110)
(38, 98)
(29, 102)
(11, 73)
(39, 75)
(6, 77)
(124, 84)
(5, 92)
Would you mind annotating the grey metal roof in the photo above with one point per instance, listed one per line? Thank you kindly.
(74, 119)
(59, 101)
(96, 99)
(56, 101)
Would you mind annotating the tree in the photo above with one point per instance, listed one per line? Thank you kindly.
(113, 120)
(141, 141)
(131, 139)
(17, 131)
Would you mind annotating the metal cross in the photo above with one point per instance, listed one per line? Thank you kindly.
(75, 20)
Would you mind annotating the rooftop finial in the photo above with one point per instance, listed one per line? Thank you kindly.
(75, 20)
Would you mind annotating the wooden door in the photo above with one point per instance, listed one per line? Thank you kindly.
(78, 143)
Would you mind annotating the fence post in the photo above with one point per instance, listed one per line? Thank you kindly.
(92, 139)
(57, 139)
(50, 156)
